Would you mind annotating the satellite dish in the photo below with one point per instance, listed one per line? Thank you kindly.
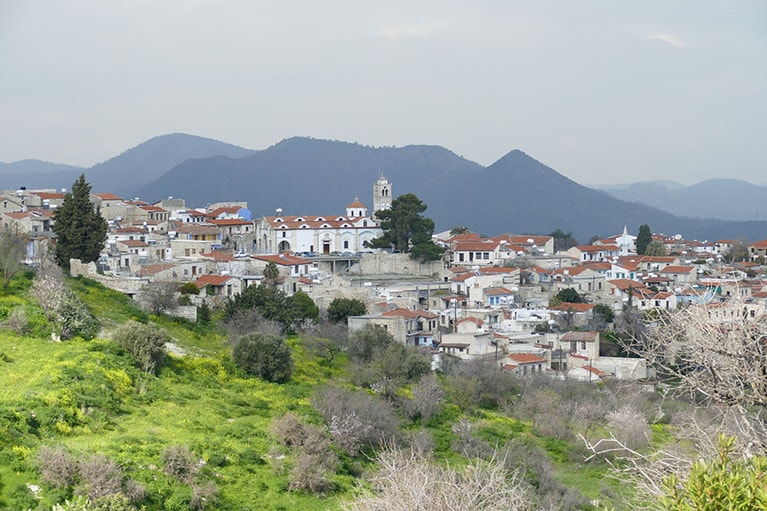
(678, 237)
(279, 211)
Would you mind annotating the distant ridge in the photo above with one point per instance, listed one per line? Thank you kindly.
(728, 199)
(135, 167)
(37, 174)
(303, 175)
(515, 194)
(125, 172)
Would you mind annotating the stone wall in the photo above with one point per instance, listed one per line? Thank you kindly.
(129, 286)
(398, 264)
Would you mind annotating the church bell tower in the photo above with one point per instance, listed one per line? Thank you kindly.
(381, 194)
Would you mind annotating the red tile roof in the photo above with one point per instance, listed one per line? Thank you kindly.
(526, 358)
(108, 196)
(597, 265)
(577, 307)
(228, 210)
(678, 269)
(48, 195)
(213, 280)
(153, 269)
(356, 204)
(133, 243)
(317, 221)
(493, 291)
(472, 319)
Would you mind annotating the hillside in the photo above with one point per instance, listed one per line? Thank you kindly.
(88, 400)
(516, 194)
(130, 170)
(309, 176)
(37, 174)
(728, 199)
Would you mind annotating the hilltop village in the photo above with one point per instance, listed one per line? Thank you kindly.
(497, 297)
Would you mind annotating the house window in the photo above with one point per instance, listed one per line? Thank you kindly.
(485, 255)
(346, 244)
(460, 257)
(583, 345)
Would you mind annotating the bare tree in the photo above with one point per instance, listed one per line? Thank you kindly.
(408, 480)
(427, 398)
(717, 353)
(248, 321)
(13, 248)
(714, 355)
(159, 297)
(49, 291)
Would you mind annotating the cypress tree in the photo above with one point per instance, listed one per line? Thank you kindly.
(80, 229)
(643, 239)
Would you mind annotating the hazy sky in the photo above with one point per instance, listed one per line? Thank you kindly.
(603, 91)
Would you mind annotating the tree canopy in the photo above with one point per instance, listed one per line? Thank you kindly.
(340, 309)
(656, 248)
(569, 295)
(265, 356)
(79, 227)
(273, 304)
(563, 240)
(406, 230)
(643, 239)
(13, 248)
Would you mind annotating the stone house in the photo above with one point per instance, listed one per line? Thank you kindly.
(408, 326)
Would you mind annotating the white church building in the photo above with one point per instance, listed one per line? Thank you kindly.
(323, 234)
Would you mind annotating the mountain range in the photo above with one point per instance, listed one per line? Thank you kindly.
(728, 199)
(300, 175)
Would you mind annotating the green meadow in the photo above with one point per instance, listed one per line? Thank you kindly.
(89, 397)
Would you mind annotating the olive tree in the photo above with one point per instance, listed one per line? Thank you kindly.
(264, 355)
(145, 343)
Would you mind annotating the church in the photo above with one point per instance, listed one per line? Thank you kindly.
(323, 234)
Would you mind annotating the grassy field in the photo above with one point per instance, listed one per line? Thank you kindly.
(89, 397)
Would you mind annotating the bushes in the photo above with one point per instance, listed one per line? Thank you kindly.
(144, 342)
(181, 464)
(409, 480)
(355, 419)
(340, 309)
(314, 461)
(722, 483)
(94, 476)
(63, 307)
(75, 319)
(368, 341)
(263, 355)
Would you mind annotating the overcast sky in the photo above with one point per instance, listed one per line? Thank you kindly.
(602, 91)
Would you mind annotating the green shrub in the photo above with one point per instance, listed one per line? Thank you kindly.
(190, 288)
(145, 343)
(75, 319)
(341, 308)
(723, 483)
(264, 355)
